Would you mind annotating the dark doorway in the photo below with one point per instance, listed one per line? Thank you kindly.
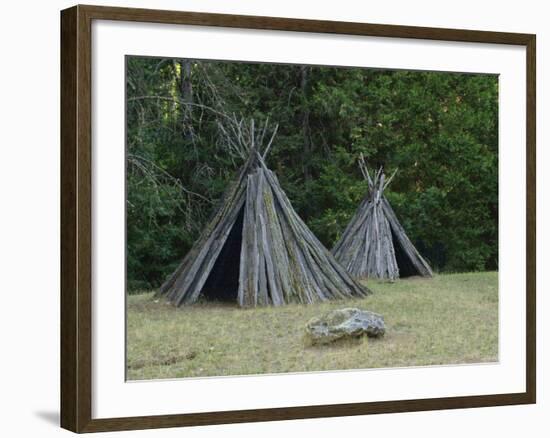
(223, 282)
(406, 268)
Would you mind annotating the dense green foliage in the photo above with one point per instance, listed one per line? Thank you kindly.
(439, 129)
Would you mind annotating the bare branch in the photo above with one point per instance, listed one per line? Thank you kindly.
(268, 147)
(171, 178)
(389, 180)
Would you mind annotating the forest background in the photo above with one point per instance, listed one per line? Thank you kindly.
(440, 130)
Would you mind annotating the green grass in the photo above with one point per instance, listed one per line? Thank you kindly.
(448, 319)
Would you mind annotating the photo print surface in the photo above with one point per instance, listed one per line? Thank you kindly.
(295, 218)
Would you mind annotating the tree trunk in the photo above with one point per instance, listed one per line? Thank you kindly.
(186, 87)
(186, 95)
(306, 133)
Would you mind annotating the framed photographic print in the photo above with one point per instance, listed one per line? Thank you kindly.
(268, 218)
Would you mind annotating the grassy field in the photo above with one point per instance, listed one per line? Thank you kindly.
(448, 319)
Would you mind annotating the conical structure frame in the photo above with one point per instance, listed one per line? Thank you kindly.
(374, 244)
(257, 251)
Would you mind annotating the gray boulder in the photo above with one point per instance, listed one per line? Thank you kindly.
(344, 323)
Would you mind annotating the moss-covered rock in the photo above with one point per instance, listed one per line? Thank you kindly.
(344, 323)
